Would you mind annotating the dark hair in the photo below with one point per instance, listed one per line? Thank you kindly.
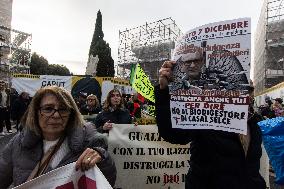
(107, 103)
(269, 102)
(279, 100)
(250, 89)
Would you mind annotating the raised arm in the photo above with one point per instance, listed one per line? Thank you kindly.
(163, 114)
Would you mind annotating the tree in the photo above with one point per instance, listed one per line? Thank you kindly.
(55, 69)
(105, 67)
(98, 33)
(39, 66)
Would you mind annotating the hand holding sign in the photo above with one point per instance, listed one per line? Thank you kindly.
(107, 126)
(88, 159)
(165, 73)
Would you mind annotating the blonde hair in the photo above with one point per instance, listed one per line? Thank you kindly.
(30, 118)
(96, 99)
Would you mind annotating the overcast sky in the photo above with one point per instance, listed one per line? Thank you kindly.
(62, 29)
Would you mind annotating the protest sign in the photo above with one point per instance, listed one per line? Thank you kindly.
(211, 77)
(141, 83)
(146, 119)
(32, 84)
(144, 160)
(99, 86)
(68, 178)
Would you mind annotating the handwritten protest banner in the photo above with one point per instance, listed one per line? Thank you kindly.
(68, 178)
(151, 110)
(210, 88)
(141, 83)
(144, 160)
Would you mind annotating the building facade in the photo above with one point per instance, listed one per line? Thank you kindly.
(15, 46)
(269, 46)
(6, 13)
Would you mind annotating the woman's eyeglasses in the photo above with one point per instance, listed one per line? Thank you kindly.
(49, 111)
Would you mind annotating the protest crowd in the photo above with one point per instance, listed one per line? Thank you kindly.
(239, 170)
(205, 114)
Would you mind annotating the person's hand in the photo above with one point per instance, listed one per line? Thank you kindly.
(165, 73)
(107, 126)
(88, 159)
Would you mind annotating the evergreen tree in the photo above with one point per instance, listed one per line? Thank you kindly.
(105, 67)
(98, 34)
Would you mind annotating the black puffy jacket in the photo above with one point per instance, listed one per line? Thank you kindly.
(217, 159)
(119, 116)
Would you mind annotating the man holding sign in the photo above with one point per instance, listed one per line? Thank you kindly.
(223, 154)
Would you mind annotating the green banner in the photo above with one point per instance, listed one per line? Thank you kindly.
(132, 73)
(142, 84)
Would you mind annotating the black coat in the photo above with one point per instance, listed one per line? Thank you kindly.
(217, 159)
(119, 116)
(87, 110)
(19, 107)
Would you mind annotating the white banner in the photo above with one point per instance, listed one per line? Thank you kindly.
(211, 77)
(68, 178)
(209, 115)
(143, 160)
(31, 85)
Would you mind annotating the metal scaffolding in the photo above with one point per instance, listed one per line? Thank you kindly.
(15, 51)
(149, 45)
(269, 46)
